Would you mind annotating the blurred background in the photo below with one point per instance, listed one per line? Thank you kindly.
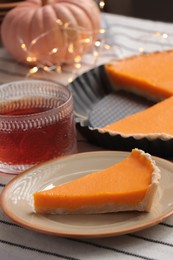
(160, 10)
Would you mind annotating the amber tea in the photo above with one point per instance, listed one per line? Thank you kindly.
(35, 129)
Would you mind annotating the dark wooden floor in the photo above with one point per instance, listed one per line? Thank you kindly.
(159, 10)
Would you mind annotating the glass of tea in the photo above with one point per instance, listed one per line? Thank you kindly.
(36, 124)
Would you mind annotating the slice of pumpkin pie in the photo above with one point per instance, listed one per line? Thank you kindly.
(152, 123)
(149, 75)
(130, 184)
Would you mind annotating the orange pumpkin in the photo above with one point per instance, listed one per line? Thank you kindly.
(50, 32)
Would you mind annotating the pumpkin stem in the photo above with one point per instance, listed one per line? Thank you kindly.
(44, 2)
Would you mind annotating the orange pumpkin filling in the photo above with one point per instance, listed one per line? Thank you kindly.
(126, 183)
(148, 74)
(155, 120)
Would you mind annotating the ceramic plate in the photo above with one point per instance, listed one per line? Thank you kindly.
(98, 103)
(17, 200)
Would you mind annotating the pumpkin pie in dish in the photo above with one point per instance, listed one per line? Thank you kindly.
(128, 185)
(153, 122)
(149, 75)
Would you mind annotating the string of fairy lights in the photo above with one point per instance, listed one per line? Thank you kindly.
(84, 39)
(99, 44)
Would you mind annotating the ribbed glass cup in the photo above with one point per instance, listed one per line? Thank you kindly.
(36, 124)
